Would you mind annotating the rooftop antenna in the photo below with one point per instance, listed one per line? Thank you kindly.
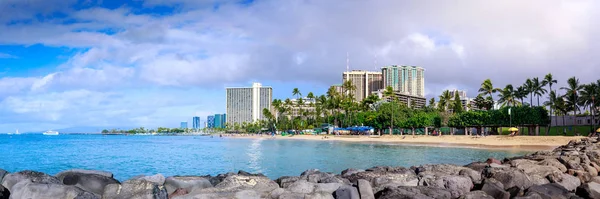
(347, 62)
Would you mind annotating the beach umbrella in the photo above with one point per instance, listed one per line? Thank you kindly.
(598, 130)
(513, 129)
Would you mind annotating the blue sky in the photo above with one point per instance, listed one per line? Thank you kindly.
(157, 62)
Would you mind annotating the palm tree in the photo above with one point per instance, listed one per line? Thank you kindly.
(539, 89)
(349, 89)
(444, 101)
(487, 88)
(549, 80)
(588, 99)
(520, 94)
(552, 103)
(530, 88)
(479, 102)
(507, 96)
(561, 109)
(296, 93)
(572, 95)
(388, 93)
(431, 102)
(311, 97)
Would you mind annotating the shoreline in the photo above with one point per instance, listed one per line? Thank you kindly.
(497, 142)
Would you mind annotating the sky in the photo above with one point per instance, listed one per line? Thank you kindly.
(159, 62)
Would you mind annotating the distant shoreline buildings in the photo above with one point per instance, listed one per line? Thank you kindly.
(245, 104)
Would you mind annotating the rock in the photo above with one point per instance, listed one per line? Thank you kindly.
(553, 162)
(474, 175)
(4, 193)
(327, 187)
(302, 186)
(138, 189)
(2, 174)
(515, 192)
(511, 178)
(335, 179)
(28, 189)
(493, 160)
(476, 195)
(591, 170)
(290, 195)
(219, 178)
(495, 191)
(589, 190)
(551, 190)
(350, 171)
(582, 175)
(36, 177)
(159, 179)
(319, 196)
(277, 192)
(457, 185)
(233, 183)
(178, 192)
(569, 182)
(413, 193)
(595, 179)
(346, 192)
(477, 166)
(189, 183)
(286, 181)
(102, 173)
(382, 177)
(310, 171)
(530, 196)
(365, 190)
(89, 182)
(244, 173)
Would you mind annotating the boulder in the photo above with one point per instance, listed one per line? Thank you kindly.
(551, 190)
(102, 173)
(511, 178)
(347, 192)
(2, 174)
(178, 192)
(382, 177)
(530, 196)
(334, 179)
(569, 182)
(553, 162)
(515, 192)
(476, 195)
(495, 191)
(477, 166)
(158, 179)
(365, 190)
(413, 193)
(276, 193)
(350, 171)
(89, 182)
(237, 184)
(595, 179)
(589, 190)
(457, 185)
(286, 181)
(302, 186)
(318, 195)
(28, 189)
(327, 187)
(472, 174)
(189, 183)
(493, 160)
(135, 189)
(11, 179)
(438, 169)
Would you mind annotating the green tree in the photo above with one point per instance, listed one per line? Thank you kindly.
(506, 97)
(457, 107)
(530, 88)
(539, 89)
(487, 88)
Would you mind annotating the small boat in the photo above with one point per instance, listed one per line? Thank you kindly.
(50, 133)
(17, 133)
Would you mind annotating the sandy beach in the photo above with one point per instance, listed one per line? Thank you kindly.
(492, 142)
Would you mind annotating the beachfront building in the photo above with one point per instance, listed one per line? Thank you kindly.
(298, 110)
(196, 122)
(365, 82)
(570, 120)
(210, 121)
(410, 100)
(220, 120)
(408, 80)
(183, 125)
(245, 104)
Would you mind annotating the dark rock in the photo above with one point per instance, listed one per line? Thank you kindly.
(93, 183)
(319, 196)
(515, 192)
(2, 174)
(404, 192)
(551, 190)
(511, 178)
(493, 160)
(495, 191)
(477, 166)
(567, 181)
(139, 189)
(219, 178)
(178, 192)
(189, 183)
(457, 185)
(589, 190)
(4, 193)
(472, 174)
(102, 173)
(28, 189)
(386, 176)
(310, 171)
(335, 179)
(365, 190)
(476, 195)
(244, 173)
(237, 186)
(346, 192)
(530, 196)
(286, 181)
(36, 177)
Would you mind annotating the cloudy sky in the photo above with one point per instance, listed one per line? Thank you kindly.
(158, 62)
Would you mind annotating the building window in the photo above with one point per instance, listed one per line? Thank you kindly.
(588, 121)
(578, 121)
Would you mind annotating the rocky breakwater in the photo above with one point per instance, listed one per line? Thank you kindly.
(570, 171)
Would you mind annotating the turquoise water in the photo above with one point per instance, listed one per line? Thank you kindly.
(128, 156)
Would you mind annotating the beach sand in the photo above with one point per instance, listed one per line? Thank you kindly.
(492, 142)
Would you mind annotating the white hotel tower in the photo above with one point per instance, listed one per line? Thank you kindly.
(245, 104)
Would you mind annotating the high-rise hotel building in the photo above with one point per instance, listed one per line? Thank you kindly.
(245, 104)
(366, 82)
(408, 80)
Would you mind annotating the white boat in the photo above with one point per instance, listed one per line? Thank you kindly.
(50, 133)
(17, 133)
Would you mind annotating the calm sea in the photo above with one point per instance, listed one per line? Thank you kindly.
(128, 156)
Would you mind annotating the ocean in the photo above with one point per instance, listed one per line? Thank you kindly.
(129, 156)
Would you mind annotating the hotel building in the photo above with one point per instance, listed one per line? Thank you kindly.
(409, 80)
(365, 82)
(245, 104)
